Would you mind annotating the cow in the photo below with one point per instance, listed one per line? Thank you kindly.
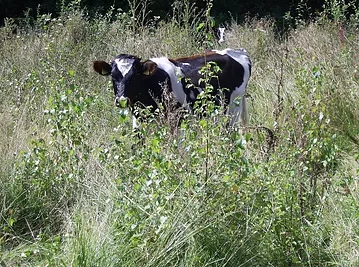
(137, 82)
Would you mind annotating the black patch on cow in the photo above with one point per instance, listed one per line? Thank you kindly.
(230, 76)
(141, 90)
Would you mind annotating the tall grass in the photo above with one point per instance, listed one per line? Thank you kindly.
(78, 187)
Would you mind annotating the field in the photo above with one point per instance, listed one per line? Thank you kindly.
(79, 188)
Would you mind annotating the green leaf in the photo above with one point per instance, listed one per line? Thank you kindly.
(71, 73)
(212, 21)
(200, 26)
(11, 221)
(203, 123)
(155, 142)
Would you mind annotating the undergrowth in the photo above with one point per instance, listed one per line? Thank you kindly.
(80, 188)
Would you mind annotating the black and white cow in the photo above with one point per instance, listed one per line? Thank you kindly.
(141, 82)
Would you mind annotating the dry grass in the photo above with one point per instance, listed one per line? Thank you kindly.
(201, 196)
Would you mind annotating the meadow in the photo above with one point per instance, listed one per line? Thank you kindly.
(78, 187)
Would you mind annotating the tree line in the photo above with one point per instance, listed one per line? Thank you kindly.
(222, 10)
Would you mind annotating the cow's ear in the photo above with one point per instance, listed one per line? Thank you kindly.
(102, 67)
(149, 67)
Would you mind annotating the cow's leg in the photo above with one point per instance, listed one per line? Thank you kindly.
(238, 106)
(136, 133)
(134, 122)
(234, 113)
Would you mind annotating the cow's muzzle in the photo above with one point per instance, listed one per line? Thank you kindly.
(122, 102)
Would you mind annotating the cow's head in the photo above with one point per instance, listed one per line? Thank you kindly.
(132, 79)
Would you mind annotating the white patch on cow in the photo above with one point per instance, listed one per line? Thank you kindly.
(175, 74)
(237, 103)
(124, 65)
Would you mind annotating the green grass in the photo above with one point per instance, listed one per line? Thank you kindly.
(79, 189)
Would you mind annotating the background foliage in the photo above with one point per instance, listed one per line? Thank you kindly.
(223, 10)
